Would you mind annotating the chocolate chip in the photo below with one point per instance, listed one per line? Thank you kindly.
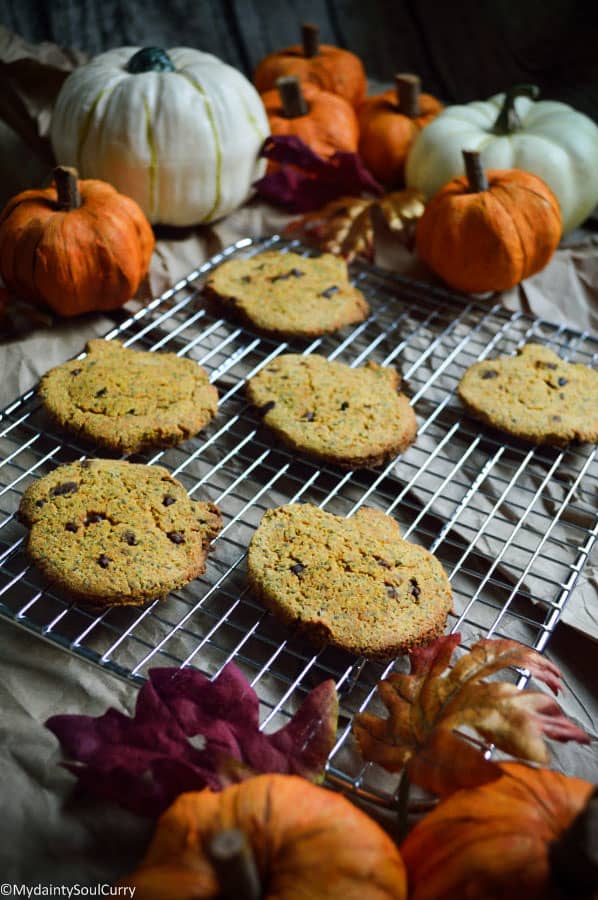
(40, 502)
(168, 500)
(129, 538)
(297, 569)
(556, 418)
(67, 487)
(344, 405)
(383, 563)
(333, 289)
(246, 279)
(391, 591)
(546, 365)
(85, 464)
(308, 416)
(267, 407)
(293, 273)
(562, 396)
(490, 373)
(562, 381)
(102, 392)
(103, 561)
(130, 412)
(71, 526)
(176, 537)
(76, 371)
(415, 588)
(93, 517)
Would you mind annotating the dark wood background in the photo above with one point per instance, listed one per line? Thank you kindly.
(463, 50)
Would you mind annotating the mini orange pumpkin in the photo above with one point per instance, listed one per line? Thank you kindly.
(488, 231)
(306, 842)
(323, 121)
(324, 65)
(388, 125)
(498, 840)
(76, 246)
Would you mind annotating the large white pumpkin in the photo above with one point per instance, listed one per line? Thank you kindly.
(179, 131)
(547, 138)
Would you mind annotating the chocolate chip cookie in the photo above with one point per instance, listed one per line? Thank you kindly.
(351, 582)
(351, 417)
(129, 400)
(110, 532)
(288, 295)
(535, 396)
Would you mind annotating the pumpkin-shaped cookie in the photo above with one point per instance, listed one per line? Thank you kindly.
(306, 841)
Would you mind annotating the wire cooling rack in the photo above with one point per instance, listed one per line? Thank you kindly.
(512, 524)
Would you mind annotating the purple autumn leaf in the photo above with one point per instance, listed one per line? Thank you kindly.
(304, 181)
(189, 732)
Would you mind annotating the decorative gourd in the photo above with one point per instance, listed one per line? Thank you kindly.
(488, 231)
(388, 125)
(549, 139)
(323, 121)
(324, 65)
(179, 132)
(306, 842)
(76, 247)
(496, 841)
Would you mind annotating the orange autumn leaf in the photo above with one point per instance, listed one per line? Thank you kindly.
(428, 705)
(344, 226)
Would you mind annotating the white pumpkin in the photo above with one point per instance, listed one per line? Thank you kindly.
(179, 131)
(511, 131)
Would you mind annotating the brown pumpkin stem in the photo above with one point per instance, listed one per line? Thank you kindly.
(408, 89)
(234, 864)
(310, 36)
(507, 120)
(475, 171)
(67, 188)
(291, 97)
(574, 857)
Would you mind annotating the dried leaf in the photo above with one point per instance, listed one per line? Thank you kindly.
(188, 732)
(426, 707)
(347, 226)
(303, 180)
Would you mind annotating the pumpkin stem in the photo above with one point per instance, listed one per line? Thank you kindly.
(574, 857)
(150, 59)
(310, 36)
(67, 188)
(291, 97)
(408, 89)
(403, 806)
(507, 120)
(234, 864)
(475, 171)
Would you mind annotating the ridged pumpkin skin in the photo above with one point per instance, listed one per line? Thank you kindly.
(308, 843)
(333, 69)
(183, 142)
(386, 135)
(88, 259)
(330, 124)
(492, 842)
(490, 240)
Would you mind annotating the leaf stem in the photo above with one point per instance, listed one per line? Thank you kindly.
(403, 805)
(234, 864)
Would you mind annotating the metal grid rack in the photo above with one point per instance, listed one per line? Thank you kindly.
(512, 524)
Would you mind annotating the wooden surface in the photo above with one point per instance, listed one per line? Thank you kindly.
(465, 50)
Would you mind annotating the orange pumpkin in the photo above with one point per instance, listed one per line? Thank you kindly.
(76, 246)
(496, 841)
(388, 125)
(324, 65)
(306, 842)
(323, 121)
(488, 231)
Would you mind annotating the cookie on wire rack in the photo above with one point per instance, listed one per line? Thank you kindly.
(535, 396)
(288, 295)
(110, 532)
(350, 582)
(129, 400)
(350, 417)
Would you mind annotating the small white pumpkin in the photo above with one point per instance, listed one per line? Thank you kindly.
(549, 139)
(177, 130)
